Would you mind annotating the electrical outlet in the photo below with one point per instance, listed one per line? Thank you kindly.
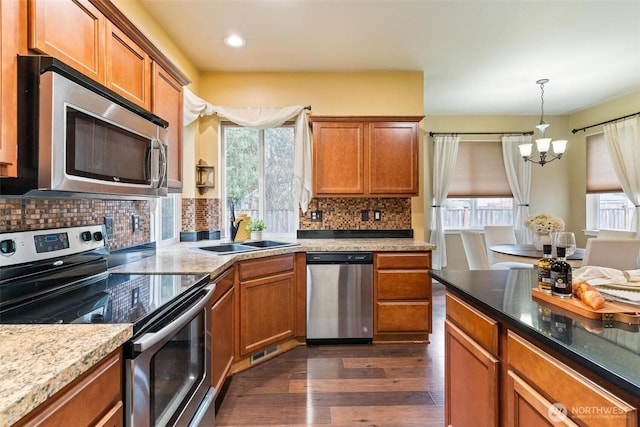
(108, 225)
(364, 215)
(135, 222)
(135, 297)
(315, 216)
(377, 215)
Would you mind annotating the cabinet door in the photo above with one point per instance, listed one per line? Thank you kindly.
(338, 159)
(72, 31)
(530, 408)
(471, 381)
(393, 158)
(128, 68)
(222, 337)
(167, 104)
(267, 313)
(10, 25)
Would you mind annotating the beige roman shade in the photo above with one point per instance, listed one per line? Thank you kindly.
(479, 171)
(601, 177)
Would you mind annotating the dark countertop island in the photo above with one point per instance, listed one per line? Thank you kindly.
(611, 352)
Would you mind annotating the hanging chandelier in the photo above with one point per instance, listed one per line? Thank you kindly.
(543, 144)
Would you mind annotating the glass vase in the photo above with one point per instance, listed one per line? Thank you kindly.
(541, 239)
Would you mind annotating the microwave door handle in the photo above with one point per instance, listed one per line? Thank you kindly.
(149, 339)
(164, 166)
(155, 163)
(148, 162)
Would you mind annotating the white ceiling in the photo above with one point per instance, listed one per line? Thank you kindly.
(478, 56)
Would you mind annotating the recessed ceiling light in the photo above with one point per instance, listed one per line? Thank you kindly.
(234, 41)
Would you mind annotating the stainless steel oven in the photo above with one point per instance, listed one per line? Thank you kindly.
(168, 368)
(62, 276)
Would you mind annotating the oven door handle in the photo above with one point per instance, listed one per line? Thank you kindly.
(149, 339)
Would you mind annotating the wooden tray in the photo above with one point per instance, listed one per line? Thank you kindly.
(612, 311)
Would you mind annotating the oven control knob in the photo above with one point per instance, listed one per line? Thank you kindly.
(97, 236)
(8, 247)
(85, 236)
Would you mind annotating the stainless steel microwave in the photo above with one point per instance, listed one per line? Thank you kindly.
(78, 138)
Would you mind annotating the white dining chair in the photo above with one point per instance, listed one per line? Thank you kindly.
(476, 253)
(621, 254)
(498, 235)
(616, 234)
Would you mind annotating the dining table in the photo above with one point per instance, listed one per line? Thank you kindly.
(529, 254)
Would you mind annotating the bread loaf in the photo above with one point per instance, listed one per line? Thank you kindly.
(587, 294)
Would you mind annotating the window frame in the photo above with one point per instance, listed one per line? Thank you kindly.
(261, 173)
(156, 220)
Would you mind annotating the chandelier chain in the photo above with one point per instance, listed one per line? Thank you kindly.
(541, 102)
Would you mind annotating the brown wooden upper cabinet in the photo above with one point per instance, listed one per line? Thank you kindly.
(11, 13)
(128, 68)
(72, 31)
(167, 103)
(365, 156)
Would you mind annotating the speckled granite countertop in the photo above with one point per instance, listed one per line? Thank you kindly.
(185, 257)
(38, 360)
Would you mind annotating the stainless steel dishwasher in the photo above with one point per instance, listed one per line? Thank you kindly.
(339, 297)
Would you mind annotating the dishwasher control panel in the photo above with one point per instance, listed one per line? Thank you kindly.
(339, 257)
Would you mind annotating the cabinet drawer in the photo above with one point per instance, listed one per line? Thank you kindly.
(88, 400)
(404, 260)
(223, 282)
(562, 384)
(478, 326)
(403, 317)
(265, 266)
(403, 284)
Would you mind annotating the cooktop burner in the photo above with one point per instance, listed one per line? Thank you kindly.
(36, 286)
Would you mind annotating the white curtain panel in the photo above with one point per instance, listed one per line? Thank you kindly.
(445, 151)
(264, 118)
(519, 177)
(623, 142)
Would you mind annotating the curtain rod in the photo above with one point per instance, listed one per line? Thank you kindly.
(604, 123)
(481, 133)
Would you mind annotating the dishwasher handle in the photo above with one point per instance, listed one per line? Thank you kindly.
(339, 258)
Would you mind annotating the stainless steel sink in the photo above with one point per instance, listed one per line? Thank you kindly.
(264, 244)
(227, 248)
(233, 248)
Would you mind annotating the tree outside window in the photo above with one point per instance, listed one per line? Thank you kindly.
(259, 176)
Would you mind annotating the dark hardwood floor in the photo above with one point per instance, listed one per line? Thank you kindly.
(379, 385)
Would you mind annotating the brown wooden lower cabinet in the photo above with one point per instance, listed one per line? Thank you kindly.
(93, 399)
(222, 328)
(402, 296)
(471, 381)
(267, 296)
(494, 376)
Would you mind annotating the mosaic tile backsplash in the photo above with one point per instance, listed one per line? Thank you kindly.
(346, 214)
(39, 214)
(201, 214)
(197, 214)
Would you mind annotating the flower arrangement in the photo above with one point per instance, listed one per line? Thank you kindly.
(544, 223)
(257, 225)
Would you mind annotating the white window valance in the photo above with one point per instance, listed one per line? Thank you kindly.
(264, 118)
